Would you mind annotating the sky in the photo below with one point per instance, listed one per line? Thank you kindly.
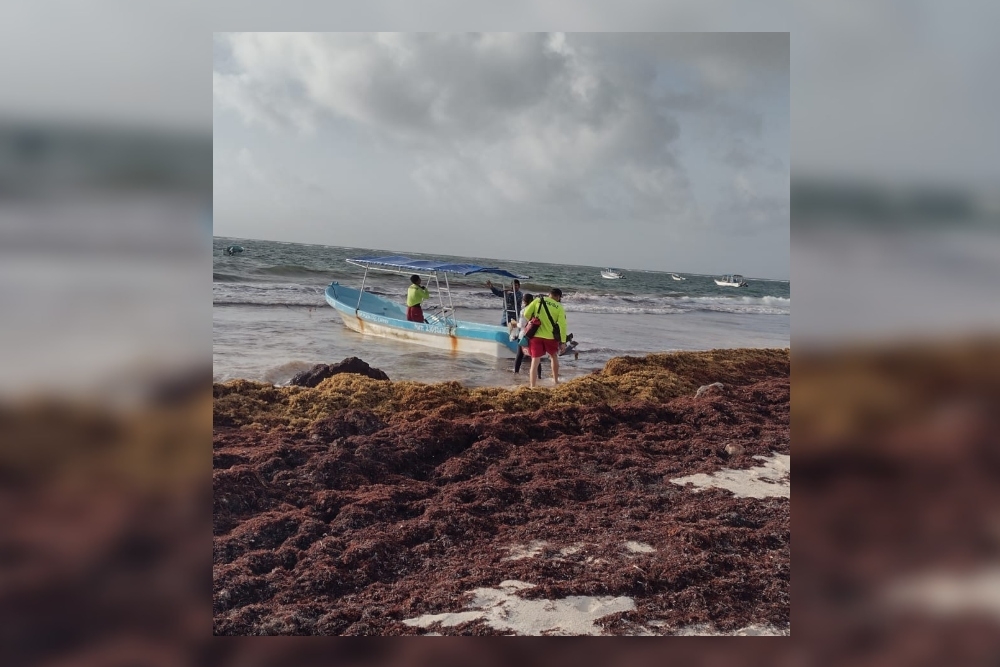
(646, 151)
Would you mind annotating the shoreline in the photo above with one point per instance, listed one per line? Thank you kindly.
(275, 344)
(379, 507)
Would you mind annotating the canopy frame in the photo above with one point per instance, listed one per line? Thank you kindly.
(432, 269)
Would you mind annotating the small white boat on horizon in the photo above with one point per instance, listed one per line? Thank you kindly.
(731, 280)
(612, 274)
(676, 277)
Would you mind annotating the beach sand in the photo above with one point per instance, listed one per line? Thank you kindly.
(364, 507)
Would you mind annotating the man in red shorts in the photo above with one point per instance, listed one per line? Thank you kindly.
(551, 336)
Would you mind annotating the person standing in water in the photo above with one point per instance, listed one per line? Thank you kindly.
(415, 295)
(510, 301)
(551, 336)
(517, 332)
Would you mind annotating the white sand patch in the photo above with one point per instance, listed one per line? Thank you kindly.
(502, 610)
(716, 386)
(447, 620)
(700, 630)
(949, 593)
(704, 630)
(571, 550)
(770, 480)
(639, 547)
(520, 551)
(760, 631)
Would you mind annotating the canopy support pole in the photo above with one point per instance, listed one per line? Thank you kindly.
(451, 304)
(517, 304)
(437, 288)
(361, 292)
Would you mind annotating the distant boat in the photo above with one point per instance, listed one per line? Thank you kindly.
(676, 277)
(233, 250)
(373, 315)
(731, 280)
(612, 274)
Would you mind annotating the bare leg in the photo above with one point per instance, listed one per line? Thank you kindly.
(555, 367)
(533, 372)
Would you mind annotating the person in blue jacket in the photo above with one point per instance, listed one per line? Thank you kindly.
(510, 300)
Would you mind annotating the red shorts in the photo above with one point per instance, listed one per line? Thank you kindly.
(415, 314)
(539, 346)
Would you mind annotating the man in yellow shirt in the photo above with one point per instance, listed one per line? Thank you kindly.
(415, 295)
(551, 335)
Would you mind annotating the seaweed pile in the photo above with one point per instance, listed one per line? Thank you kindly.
(104, 517)
(896, 487)
(348, 508)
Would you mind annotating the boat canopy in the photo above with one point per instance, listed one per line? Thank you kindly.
(400, 263)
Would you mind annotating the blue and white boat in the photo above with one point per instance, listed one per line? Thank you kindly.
(373, 315)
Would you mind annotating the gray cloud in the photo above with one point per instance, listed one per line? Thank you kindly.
(744, 210)
(741, 155)
(523, 115)
(529, 130)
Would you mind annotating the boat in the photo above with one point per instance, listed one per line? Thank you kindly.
(676, 277)
(731, 280)
(233, 250)
(373, 315)
(612, 274)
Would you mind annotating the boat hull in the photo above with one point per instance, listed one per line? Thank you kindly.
(382, 318)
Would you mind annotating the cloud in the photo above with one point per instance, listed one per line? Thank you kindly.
(581, 127)
(746, 206)
(740, 155)
(246, 162)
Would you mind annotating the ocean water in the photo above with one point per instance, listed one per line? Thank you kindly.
(271, 320)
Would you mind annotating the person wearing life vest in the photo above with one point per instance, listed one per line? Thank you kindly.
(551, 335)
(415, 295)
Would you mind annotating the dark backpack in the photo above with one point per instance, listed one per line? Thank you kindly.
(556, 333)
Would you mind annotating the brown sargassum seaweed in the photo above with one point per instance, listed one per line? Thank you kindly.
(347, 508)
(654, 378)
